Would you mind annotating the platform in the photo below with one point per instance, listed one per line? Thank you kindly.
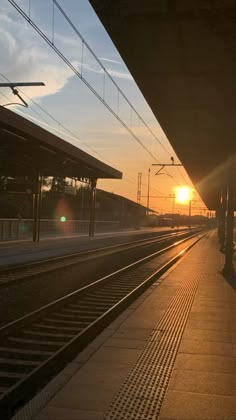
(170, 356)
(22, 252)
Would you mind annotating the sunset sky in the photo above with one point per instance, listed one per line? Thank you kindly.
(27, 57)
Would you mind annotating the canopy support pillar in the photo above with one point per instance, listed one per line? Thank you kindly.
(37, 206)
(222, 218)
(229, 244)
(92, 206)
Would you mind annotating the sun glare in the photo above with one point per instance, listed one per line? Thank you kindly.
(183, 195)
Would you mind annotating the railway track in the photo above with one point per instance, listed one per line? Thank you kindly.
(37, 346)
(23, 272)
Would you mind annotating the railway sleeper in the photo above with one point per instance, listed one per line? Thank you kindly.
(51, 335)
(80, 316)
(118, 288)
(65, 322)
(25, 354)
(99, 301)
(17, 368)
(92, 297)
(34, 344)
(16, 362)
(46, 327)
(79, 311)
(107, 294)
(90, 308)
(8, 379)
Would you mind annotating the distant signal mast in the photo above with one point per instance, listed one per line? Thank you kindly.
(139, 187)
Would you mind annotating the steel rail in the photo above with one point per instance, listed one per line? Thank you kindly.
(38, 345)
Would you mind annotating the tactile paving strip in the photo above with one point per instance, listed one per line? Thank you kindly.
(34, 406)
(142, 393)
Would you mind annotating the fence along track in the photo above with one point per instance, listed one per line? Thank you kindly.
(37, 346)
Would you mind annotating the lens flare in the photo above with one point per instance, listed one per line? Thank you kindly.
(183, 195)
(64, 215)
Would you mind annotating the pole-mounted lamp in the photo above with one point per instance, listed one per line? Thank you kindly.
(148, 192)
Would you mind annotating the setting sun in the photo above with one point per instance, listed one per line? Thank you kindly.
(183, 194)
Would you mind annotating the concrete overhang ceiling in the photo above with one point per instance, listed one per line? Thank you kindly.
(182, 55)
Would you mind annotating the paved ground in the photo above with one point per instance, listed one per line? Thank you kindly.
(170, 356)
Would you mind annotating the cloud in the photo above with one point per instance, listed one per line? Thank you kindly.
(120, 75)
(95, 68)
(26, 59)
(110, 61)
(66, 40)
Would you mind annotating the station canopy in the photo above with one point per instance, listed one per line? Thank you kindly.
(26, 149)
(182, 55)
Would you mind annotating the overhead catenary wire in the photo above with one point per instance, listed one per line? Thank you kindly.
(54, 119)
(111, 78)
(107, 73)
(72, 135)
(52, 44)
(129, 179)
(72, 67)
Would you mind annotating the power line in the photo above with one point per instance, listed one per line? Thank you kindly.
(113, 81)
(51, 43)
(54, 119)
(107, 73)
(130, 179)
(5, 96)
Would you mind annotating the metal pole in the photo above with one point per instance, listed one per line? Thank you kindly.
(189, 212)
(139, 187)
(37, 206)
(173, 204)
(92, 208)
(82, 204)
(147, 212)
(222, 218)
(122, 212)
(229, 251)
